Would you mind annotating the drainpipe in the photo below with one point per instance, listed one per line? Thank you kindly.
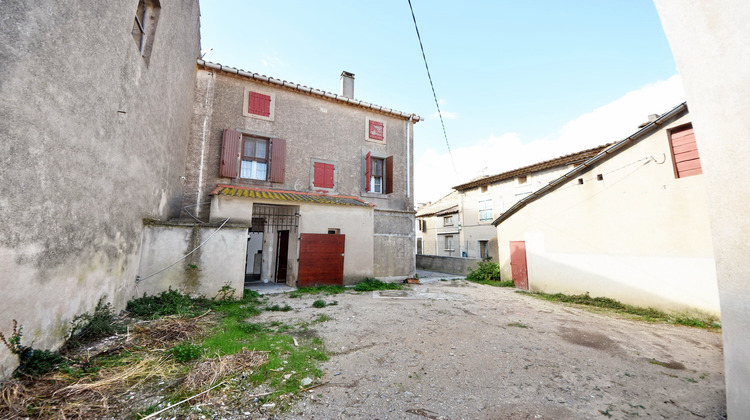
(207, 109)
(408, 158)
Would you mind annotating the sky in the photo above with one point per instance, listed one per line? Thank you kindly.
(518, 82)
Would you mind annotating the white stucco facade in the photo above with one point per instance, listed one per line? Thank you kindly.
(639, 234)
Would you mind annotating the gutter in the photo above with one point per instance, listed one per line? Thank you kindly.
(308, 90)
(589, 162)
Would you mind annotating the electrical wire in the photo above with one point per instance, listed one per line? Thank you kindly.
(140, 279)
(432, 85)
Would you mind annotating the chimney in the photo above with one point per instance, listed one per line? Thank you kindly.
(651, 118)
(347, 84)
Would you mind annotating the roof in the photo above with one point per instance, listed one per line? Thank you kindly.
(281, 195)
(612, 150)
(448, 201)
(547, 164)
(449, 210)
(308, 90)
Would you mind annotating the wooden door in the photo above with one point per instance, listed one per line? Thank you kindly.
(282, 255)
(518, 267)
(321, 259)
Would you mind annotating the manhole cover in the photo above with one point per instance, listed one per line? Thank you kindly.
(393, 293)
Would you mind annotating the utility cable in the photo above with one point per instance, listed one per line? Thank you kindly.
(432, 85)
(140, 279)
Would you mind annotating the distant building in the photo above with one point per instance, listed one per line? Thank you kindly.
(437, 227)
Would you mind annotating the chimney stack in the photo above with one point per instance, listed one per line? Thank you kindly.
(347, 84)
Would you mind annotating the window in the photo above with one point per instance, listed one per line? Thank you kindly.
(522, 179)
(685, 156)
(144, 26)
(323, 174)
(422, 225)
(483, 188)
(258, 104)
(484, 252)
(449, 242)
(375, 131)
(419, 246)
(254, 163)
(448, 221)
(485, 210)
(378, 174)
(334, 231)
(252, 157)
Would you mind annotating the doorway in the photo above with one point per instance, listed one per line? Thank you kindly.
(518, 267)
(282, 255)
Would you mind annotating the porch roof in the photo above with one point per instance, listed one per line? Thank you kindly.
(282, 195)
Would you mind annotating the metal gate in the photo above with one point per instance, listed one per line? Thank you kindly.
(321, 259)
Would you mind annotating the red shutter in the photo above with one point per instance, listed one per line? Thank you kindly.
(367, 172)
(278, 160)
(323, 176)
(389, 174)
(376, 130)
(230, 153)
(259, 104)
(685, 153)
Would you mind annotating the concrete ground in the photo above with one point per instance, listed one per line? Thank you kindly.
(458, 350)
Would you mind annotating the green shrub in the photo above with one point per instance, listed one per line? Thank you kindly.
(91, 326)
(319, 304)
(370, 284)
(169, 302)
(327, 289)
(32, 362)
(186, 351)
(251, 328)
(486, 271)
(277, 308)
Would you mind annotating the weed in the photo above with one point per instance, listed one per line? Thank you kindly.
(443, 279)
(495, 283)
(169, 302)
(518, 324)
(319, 304)
(91, 326)
(32, 362)
(647, 314)
(370, 284)
(321, 318)
(185, 352)
(328, 290)
(691, 380)
(251, 328)
(606, 412)
(277, 308)
(486, 271)
(225, 293)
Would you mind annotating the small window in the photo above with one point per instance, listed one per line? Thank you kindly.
(685, 156)
(422, 225)
(448, 221)
(375, 130)
(254, 163)
(485, 210)
(144, 26)
(484, 252)
(483, 188)
(580, 181)
(258, 104)
(522, 179)
(378, 174)
(333, 231)
(600, 177)
(324, 175)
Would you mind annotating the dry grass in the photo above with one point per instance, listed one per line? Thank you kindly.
(168, 330)
(209, 371)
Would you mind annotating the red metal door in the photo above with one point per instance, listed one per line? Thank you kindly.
(321, 259)
(518, 264)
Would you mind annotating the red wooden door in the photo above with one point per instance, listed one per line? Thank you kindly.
(518, 264)
(321, 259)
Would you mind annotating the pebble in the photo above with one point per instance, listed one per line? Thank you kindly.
(305, 381)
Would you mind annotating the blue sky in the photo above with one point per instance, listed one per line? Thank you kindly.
(518, 82)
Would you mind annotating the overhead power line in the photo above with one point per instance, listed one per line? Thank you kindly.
(432, 85)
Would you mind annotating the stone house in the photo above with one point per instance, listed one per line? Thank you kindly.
(437, 227)
(630, 223)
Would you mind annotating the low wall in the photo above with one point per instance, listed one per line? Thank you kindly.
(451, 265)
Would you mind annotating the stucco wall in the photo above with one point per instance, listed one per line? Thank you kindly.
(91, 141)
(219, 262)
(639, 235)
(452, 265)
(394, 245)
(709, 43)
(350, 220)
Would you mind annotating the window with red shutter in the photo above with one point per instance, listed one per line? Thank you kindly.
(685, 156)
(379, 174)
(258, 105)
(323, 175)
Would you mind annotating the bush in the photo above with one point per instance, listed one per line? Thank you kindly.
(370, 284)
(486, 271)
(32, 362)
(277, 308)
(185, 352)
(91, 326)
(319, 304)
(170, 302)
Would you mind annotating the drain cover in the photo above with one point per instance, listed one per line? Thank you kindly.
(393, 293)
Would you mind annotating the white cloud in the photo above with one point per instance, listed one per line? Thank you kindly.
(434, 175)
(271, 60)
(446, 115)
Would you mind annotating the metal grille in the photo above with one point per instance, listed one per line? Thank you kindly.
(280, 217)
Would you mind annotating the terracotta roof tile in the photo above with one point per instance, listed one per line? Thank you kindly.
(282, 195)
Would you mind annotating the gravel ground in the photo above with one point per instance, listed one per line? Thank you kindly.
(459, 350)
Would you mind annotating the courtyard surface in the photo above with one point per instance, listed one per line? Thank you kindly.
(458, 350)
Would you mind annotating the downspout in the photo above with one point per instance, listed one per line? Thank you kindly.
(408, 158)
(208, 109)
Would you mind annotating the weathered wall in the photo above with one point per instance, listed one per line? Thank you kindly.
(452, 265)
(640, 235)
(219, 262)
(394, 245)
(91, 142)
(353, 221)
(503, 194)
(709, 43)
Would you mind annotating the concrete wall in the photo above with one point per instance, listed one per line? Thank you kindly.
(357, 223)
(640, 235)
(394, 245)
(452, 265)
(92, 141)
(219, 262)
(709, 43)
(503, 194)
